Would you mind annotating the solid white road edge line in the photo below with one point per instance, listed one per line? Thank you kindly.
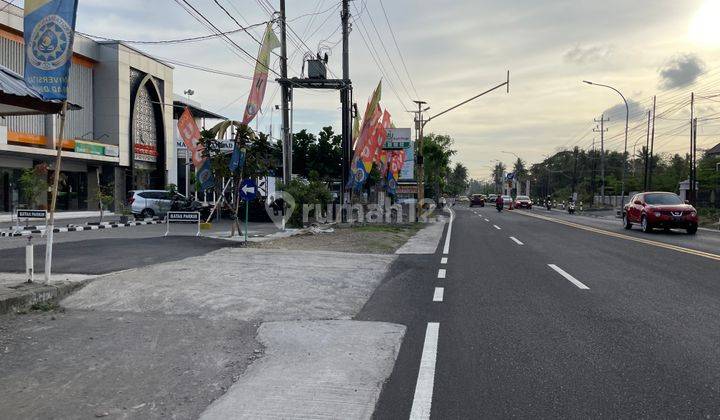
(446, 248)
(439, 293)
(422, 401)
(496, 227)
(514, 239)
(570, 278)
(443, 260)
(441, 273)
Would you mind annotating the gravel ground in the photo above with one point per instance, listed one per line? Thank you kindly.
(369, 239)
(86, 364)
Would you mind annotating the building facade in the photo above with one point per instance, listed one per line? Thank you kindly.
(121, 139)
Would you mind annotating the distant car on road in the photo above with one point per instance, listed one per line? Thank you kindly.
(523, 202)
(491, 198)
(477, 200)
(151, 203)
(507, 201)
(660, 210)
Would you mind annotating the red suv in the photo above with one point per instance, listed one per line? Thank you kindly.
(660, 210)
(523, 202)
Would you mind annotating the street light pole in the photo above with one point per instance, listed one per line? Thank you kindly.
(627, 122)
(421, 125)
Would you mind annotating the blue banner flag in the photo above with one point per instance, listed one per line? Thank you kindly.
(49, 33)
(237, 160)
(205, 176)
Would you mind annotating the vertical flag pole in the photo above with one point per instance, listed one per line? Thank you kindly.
(51, 223)
(247, 206)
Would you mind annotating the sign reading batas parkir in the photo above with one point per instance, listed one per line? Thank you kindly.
(183, 217)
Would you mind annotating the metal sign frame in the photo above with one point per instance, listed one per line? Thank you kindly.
(183, 217)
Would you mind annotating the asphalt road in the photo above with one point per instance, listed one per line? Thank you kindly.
(105, 255)
(618, 328)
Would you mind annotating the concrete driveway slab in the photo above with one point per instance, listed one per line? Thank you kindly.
(314, 370)
(243, 284)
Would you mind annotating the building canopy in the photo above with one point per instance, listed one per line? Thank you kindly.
(17, 98)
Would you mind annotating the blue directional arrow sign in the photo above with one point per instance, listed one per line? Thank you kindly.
(248, 190)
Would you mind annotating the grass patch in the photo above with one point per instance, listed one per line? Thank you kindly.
(47, 306)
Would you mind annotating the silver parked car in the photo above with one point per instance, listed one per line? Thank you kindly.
(151, 203)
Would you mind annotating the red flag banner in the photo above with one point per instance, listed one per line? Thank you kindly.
(190, 134)
(262, 68)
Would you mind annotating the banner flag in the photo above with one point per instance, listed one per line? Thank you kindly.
(205, 176)
(364, 150)
(49, 34)
(396, 159)
(237, 160)
(190, 134)
(262, 68)
(382, 134)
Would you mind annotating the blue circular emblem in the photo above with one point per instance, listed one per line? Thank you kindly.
(49, 46)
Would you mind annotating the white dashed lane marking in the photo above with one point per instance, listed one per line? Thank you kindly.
(514, 239)
(443, 260)
(496, 227)
(570, 278)
(438, 296)
(422, 401)
(441, 273)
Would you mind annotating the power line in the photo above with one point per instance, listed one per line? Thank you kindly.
(6, 5)
(205, 69)
(402, 59)
(171, 41)
(225, 36)
(375, 56)
(392, 63)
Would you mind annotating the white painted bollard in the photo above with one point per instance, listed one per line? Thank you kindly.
(29, 263)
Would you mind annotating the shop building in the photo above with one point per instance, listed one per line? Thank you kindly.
(121, 137)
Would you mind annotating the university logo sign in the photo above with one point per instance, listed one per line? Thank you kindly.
(49, 46)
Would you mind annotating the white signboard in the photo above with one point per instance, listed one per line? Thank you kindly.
(407, 172)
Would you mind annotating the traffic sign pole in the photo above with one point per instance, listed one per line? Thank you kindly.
(248, 192)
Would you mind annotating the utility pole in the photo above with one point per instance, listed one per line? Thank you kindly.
(345, 100)
(693, 125)
(285, 97)
(602, 131)
(574, 178)
(693, 163)
(419, 124)
(652, 146)
(594, 169)
(646, 153)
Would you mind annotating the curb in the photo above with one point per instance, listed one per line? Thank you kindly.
(27, 294)
(14, 234)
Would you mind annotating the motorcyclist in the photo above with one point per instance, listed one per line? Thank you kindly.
(499, 202)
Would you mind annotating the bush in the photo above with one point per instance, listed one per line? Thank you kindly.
(306, 192)
(33, 182)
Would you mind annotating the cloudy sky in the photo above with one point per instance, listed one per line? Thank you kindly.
(454, 49)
